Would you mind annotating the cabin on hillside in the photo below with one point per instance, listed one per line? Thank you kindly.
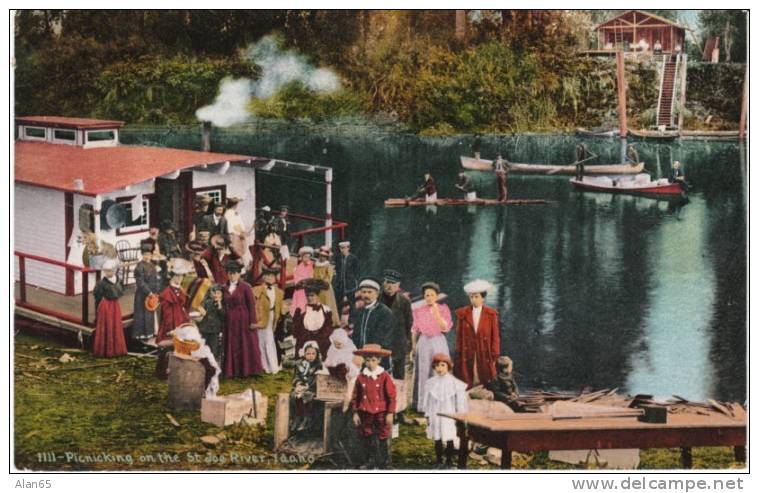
(73, 178)
(640, 31)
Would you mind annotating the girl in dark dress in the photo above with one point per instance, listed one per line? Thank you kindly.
(242, 356)
(212, 324)
(303, 392)
(147, 282)
(109, 331)
(314, 321)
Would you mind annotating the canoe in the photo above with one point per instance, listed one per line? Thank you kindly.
(709, 134)
(584, 132)
(636, 185)
(550, 169)
(654, 134)
(421, 202)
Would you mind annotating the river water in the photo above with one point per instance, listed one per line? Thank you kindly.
(594, 290)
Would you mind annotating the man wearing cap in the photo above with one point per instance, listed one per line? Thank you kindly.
(401, 308)
(216, 223)
(269, 299)
(347, 275)
(478, 340)
(373, 405)
(374, 322)
(146, 282)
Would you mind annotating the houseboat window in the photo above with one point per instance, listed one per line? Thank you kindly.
(101, 136)
(34, 132)
(215, 195)
(139, 224)
(65, 135)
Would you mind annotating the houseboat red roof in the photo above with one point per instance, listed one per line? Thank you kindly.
(104, 169)
(65, 122)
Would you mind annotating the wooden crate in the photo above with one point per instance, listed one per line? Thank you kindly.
(225, 410)
(329, 388)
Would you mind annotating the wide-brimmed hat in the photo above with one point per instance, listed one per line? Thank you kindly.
(373, 350)
(311, 285)
(442, 358)
(344, 244)
(195, 247)
(232, 267)
(477, 286)
(203, 199)
(152, 302)
(270, 270)
(180, 266)
(305, 250)
(325, 251)
(218, 241)
(233, 201)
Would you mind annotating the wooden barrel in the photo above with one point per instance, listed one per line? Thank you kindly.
(187, 383)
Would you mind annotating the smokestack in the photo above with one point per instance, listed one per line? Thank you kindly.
(206, 142)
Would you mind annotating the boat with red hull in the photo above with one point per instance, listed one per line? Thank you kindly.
(635, 185)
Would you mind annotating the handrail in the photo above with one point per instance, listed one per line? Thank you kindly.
(46, 260)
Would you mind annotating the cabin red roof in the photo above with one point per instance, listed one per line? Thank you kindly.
(104, 169)
(65, 122)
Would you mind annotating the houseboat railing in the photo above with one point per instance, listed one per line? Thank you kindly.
(70, 269)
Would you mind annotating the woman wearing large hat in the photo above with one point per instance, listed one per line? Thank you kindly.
(313, 322)
(109, 338)
(218, 256)
(242, 356)
(304, 270)
(325, 271)
(173, 300)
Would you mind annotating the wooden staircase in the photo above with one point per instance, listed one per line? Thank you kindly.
(665, 108)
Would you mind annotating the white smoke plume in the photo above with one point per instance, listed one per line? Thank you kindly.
(278, 68)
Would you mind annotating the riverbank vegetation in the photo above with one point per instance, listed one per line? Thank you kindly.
(434, 72)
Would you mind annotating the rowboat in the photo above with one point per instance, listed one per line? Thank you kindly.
(584, 132)
(655, 134)
(640, 184)
(420, 202)
(551, 169)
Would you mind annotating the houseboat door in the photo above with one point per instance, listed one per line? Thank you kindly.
(174, 199)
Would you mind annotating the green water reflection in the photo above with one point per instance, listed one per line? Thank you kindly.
(594, 290)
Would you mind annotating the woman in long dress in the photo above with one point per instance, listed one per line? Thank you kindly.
(109, 331)
(314, 321)
(304, 270)
(325, 271)
(431, 322)
(242, 356)
(147, 282)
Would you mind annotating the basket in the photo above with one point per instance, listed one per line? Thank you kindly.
(185, 347)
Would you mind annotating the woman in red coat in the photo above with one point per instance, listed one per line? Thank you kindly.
(173, 301)
(478, 340)
(242, 356)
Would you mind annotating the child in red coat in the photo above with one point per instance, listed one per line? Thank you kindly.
(373, 405)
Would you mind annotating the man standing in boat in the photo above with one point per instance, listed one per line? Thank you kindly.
(581, 155)
(476, 145)
(632, 155)
(677, 176)
(501, 168)
(429, 189)
(465, 185)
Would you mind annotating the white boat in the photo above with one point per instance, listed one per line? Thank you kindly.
(551, 169)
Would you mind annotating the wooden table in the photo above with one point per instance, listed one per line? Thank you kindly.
(531, 434)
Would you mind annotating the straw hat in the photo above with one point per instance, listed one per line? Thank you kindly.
(373, 350)
(477, 286)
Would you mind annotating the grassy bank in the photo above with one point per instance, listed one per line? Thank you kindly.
(114, 412)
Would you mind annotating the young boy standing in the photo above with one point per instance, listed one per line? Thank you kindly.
(373, 404)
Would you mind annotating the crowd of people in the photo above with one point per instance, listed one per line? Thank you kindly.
(358, 329)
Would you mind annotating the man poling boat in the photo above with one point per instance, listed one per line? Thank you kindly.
(640, 184)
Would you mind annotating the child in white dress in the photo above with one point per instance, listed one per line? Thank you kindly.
(445, 394)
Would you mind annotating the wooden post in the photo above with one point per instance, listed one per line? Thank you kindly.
(621, 96)
(686, 457)
(22, 277)
(463, 444)
(85, 298)
(744, 107)
(683, 83)
(281, 419)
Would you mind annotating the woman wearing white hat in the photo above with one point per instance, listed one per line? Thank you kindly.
(304, 270)
(478, 338)
(109, 331)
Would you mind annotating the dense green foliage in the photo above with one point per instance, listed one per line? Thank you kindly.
(512, 71)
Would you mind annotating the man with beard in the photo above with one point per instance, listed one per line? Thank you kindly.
(374, 322)
(401, 308)
(215, 223)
